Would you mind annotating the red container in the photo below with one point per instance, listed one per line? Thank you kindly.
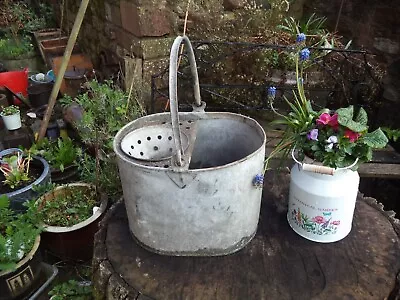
(16, 81)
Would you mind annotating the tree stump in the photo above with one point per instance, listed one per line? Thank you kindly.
(277, 264)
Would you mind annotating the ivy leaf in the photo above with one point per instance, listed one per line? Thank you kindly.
(375, 139)
(345, 118)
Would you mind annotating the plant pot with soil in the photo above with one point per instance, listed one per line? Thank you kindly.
(11, 117)
(20, 174)
(20, 260)
(61, 155)
(71, 214)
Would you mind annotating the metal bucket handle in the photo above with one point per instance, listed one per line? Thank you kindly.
(173, 90)
(320, 169)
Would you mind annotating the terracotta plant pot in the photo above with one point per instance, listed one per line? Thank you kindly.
(25, 279)
(74, 242)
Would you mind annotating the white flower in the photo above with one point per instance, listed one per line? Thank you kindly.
(332, 139)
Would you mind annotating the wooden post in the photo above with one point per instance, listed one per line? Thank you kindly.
(64, 64)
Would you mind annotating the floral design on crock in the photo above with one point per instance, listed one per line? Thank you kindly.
(320, 224)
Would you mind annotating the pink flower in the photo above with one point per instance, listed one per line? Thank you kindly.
(333, 122)
(327, 119)
(336, 223)
(319, 219)
(324, 119)
(351, 135)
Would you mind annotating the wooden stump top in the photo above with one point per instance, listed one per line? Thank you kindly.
(277, 264)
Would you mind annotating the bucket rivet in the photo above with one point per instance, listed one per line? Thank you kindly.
(155, 148)
(170, 138)
(159, 137)
(139, 141)
(141, 153)
(148, 138)
(132, 147)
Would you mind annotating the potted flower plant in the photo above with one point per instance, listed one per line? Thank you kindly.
(327, 146)
(61, 155)
(20, 262)
(11, 117)
(70, 214)
(19, 174)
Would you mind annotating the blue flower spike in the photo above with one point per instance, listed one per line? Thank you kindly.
(304, 54)
(271, 92)
(301, 37)
(258, 181)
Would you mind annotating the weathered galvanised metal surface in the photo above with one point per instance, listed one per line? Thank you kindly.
(196, 196)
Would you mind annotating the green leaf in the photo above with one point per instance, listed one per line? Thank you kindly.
(375, 139)
(362, 117)
(4, 201)
(345, 118)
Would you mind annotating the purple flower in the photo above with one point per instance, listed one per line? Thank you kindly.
(313, 135)
(304, 54)
(271, 92)
(258, 180)
(301, 37)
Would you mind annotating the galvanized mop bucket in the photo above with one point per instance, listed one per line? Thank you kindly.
(187, 176)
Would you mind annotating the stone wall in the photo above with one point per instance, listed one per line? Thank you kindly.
(138, 34)
(373, 25)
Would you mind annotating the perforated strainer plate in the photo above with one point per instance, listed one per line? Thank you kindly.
(151, 143)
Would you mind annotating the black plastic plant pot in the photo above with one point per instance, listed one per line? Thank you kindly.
(73, 242)
(21, 282)
(69, 174)
(39, 94)
(19, 196)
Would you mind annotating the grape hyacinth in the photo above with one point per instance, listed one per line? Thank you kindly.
(304, 54)
(271, 92)
(258, 181)
(301, 37)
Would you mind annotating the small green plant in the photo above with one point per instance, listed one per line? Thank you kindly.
(392, 134)
(10, 49)
(106, 109)
(59, 154)
(102, 173)
(72, 289)
(15, 169)
(68, 206)
(17, 233)
(10, 110)
(313, 26)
